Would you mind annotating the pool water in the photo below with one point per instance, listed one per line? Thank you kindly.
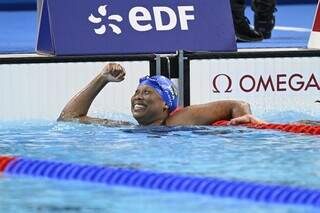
(232, 153)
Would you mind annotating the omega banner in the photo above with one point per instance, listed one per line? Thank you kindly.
(268, 84)
(95, 27)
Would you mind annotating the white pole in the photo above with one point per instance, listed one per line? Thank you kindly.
(39, 6)
(181, 78)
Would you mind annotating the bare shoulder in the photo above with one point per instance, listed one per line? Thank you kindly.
(208, 113)
(190, 115)
(178, 117)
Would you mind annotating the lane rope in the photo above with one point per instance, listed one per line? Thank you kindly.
(293, 128)
(299, 128)
(161, 181)
(4, 161)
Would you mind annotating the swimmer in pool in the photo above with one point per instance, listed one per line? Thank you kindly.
(154, 103)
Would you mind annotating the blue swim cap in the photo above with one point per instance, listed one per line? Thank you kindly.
(164, 87)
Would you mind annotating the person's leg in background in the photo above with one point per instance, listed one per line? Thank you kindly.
(264, 19)
(241, 24)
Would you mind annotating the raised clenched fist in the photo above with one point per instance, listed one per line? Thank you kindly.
(113, 72)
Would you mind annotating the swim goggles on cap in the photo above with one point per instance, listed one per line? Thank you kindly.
(164, 87)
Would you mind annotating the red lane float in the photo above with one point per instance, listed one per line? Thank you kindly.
(4, 161)
(300, 128)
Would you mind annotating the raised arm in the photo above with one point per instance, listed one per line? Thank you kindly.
(237, 112)
(78, 107)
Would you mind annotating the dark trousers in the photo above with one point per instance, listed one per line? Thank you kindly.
(264, 20)
(238, 8)
(260, 7)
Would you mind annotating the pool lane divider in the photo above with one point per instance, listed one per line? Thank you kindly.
(299, 128)
(214, 187)
(4, 161)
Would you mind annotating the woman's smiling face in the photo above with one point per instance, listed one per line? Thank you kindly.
(147, 106)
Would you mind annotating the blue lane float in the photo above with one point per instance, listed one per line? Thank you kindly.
(162, 181)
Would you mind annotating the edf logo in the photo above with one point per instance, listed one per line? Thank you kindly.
(161, 18)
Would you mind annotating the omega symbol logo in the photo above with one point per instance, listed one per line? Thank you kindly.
(217, 86)
(102, 10)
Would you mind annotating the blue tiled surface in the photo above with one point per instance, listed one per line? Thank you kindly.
(293, 25)
(18, 32)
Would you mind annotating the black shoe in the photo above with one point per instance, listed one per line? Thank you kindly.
(264, 24)
(244, 32)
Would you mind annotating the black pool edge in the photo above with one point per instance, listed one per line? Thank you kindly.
(243, 54)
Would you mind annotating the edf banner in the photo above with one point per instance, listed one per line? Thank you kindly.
(96, 27)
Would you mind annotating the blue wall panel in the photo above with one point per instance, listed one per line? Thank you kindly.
(18, 4)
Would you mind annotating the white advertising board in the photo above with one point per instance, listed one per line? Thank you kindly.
(268, 84)
(41, 90)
